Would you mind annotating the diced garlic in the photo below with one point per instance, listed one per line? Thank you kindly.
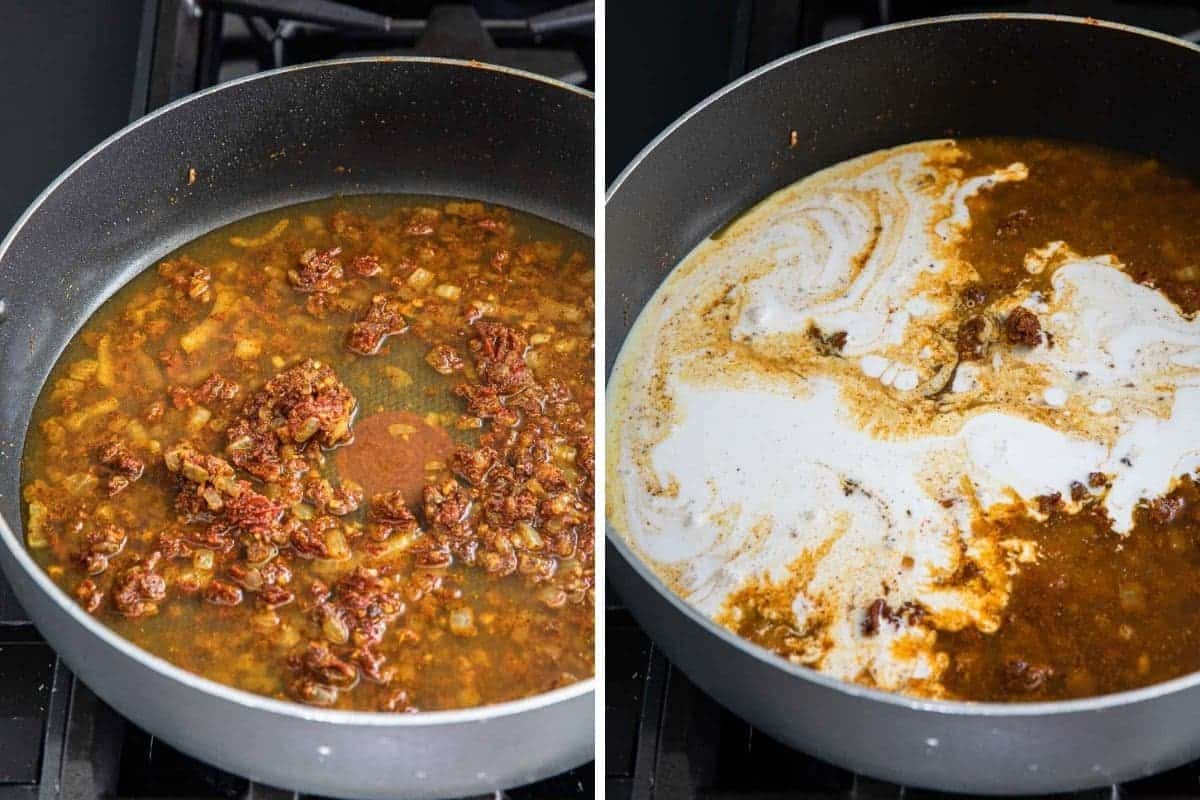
(198, 418)
(258, 241)
(35, 531)
(203, 560)
(104, 362)
(420, 278)
(79, 482)
(83, 369)
(462, 622)
(76, 421)
(246, 349)
(198, 336)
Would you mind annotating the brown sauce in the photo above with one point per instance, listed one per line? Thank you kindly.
(339, 453)
(391, 452)
(1099, 201)
(1098, 612)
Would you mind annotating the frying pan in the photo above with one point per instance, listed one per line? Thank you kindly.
(972, 75)
(427, 126)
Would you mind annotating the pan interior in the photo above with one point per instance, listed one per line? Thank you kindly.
(1026, 199)
(165, 365)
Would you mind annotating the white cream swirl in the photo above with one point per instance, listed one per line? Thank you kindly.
(732, 454)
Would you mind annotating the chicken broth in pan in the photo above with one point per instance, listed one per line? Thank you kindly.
(339, 453)
(929, 420)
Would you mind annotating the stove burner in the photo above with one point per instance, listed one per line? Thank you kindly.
(217, 40)
(58, 741)
(666, 739)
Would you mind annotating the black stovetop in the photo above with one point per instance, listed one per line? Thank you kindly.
(75, 66)
(666, 739)
(59, 742)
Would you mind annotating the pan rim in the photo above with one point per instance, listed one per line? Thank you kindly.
(728, 88)
(990, 709)
(229, 694)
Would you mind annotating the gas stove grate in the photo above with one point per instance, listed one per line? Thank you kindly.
(58, 741)
(667, 740)
(204, 42)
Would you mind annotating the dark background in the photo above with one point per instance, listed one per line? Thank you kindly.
(667, 55)
(66, 78)
(74, 71)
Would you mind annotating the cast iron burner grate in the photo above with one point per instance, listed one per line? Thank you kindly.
(204, 42)
(667, 740)
(58, 741)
